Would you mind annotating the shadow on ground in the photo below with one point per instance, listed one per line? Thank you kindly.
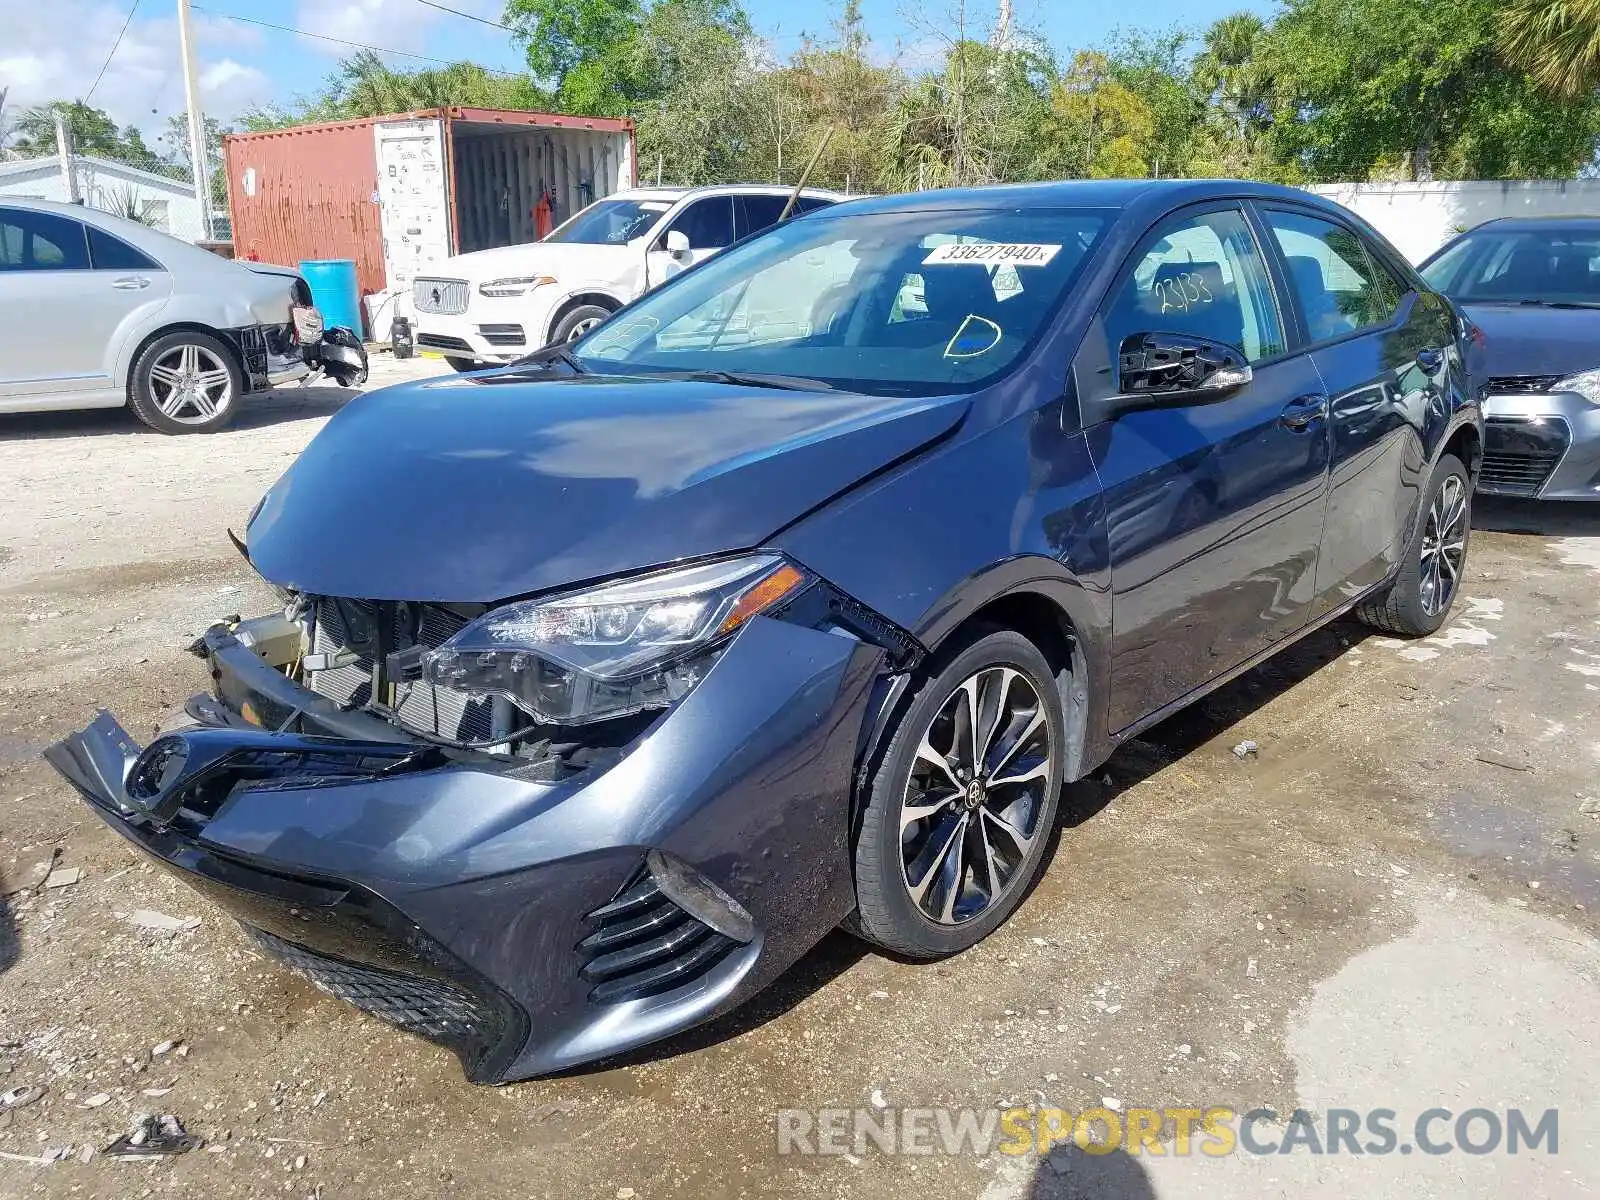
(1546, 518)
(1069, 1173)
(278, 407)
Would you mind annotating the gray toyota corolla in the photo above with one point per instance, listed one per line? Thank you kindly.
(605, 685)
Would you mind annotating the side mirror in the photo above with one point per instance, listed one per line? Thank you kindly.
(1157, 369)
(677, 243)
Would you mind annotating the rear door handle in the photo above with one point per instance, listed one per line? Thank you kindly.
(1430, 360)
(1300, 413)
(131, 283)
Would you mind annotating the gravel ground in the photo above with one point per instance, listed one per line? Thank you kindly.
(1346, 918)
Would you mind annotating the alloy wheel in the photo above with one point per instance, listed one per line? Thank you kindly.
(970, 813)
(1444, 546)
(190, 384)
(583, 327)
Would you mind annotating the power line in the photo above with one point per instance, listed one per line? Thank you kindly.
(469, 16)
(443, 62)
(113, 53)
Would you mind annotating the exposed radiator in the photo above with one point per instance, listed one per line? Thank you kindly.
(352, 625)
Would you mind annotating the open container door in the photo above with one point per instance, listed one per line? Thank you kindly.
(503, 163)
(413, 197)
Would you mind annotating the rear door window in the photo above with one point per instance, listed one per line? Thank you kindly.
(759, 212)
(108, 253)
(41, 241)
(1341, 289)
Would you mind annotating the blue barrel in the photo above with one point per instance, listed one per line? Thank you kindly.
(334, 291)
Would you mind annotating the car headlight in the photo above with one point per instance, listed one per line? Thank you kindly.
(516, 286)
(1585, 383)
(615, 649)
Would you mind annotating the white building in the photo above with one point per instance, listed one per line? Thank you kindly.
(1420, 217)
(165, 204)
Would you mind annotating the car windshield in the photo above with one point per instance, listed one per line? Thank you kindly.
(890, 303)
(610, 222)
(1521, 266)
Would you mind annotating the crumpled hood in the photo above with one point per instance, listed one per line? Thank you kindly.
(478, 489)
(1528, 340)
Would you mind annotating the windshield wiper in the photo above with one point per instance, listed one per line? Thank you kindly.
(786, 383)
(1557, 303)
(554, 354)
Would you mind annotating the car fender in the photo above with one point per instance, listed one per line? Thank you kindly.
(258, 300)
(613, 290)
(952, 556)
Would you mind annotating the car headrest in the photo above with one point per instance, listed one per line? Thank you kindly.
(1309, 280)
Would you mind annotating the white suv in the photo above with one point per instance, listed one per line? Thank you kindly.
(494, 306)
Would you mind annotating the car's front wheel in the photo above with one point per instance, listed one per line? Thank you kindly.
(185, 382)
(579, 321)
(959, 811)
(1418, 599)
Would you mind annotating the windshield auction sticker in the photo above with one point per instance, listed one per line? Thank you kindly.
(1016, 254)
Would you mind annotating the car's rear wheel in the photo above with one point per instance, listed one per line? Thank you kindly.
(959, 811)
(1418, 600)
(579, 321)
(185, 382)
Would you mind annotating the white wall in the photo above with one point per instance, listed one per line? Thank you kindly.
(1420, 217)
(173, 209)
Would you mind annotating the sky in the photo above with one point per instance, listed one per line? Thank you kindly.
(56, 48)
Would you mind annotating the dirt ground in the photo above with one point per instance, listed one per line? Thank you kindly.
(1393, 903)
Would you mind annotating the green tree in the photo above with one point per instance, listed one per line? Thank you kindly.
(93, 132)
(1365, 86)
(1110, 125)
(1156, 68)
(1558, 41)
(560, 36)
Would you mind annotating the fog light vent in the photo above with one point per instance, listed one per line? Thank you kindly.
(646, 943)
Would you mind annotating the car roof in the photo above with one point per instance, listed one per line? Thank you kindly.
(1089, 193)
(1541, 222)
(163, 247)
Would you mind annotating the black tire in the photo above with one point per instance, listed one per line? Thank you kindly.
(464, 364)
(153, 400)
(1404, 606)
(888, 914)
(578, 322)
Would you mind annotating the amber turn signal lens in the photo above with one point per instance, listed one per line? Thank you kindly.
(783, 582)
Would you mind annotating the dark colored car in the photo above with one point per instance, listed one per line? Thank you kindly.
(607, 684)
(1533, 285)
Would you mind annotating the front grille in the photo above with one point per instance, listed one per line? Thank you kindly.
(1517, 474)
(447, 296)
(442, 341)
(353, 626)
(644, 945)
(429, 1008)
(502, 335)
(1523, 383)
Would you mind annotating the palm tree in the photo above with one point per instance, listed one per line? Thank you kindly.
(1227, 68)
(1557, 41)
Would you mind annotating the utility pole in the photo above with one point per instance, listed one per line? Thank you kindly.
(69, 176)
(197, 120)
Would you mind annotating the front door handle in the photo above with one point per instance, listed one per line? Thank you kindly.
(1300, 413)
(131, 283)
(1430, 360)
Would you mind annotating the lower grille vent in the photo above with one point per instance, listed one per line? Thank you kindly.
(645, 945)
(426, 1007)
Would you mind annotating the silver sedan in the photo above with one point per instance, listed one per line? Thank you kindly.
(102, 312)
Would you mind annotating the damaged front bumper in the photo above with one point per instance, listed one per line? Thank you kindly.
(528, 918)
